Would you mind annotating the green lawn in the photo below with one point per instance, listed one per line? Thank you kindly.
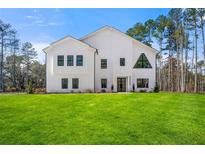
(142, 118)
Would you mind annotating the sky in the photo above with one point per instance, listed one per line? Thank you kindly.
(44, 26)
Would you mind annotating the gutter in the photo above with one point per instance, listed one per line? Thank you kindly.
(156, 72)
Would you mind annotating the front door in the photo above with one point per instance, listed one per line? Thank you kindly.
(121, 84)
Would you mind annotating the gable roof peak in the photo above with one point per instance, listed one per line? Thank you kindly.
(118, 31)
(64, 38)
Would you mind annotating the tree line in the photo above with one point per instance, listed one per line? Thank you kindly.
(19, 67)
(179, 36)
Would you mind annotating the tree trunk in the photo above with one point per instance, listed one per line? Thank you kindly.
(182, 60)
(27, 74)
(160, 63)
(169, 71)
(192, 66)
(1, 64)
(14, 68)
(195, 79)
(178, 72)
(14, 63)
(201, 79)
(186, 75)
(202, 33)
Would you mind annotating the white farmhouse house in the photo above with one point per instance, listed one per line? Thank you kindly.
(104, 60)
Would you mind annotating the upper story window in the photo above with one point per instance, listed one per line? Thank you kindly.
(122, 61)
(142, 62)
(103, 63)
(79, 60)
(143, 83)
(64, 83)
(60, 60)
(75, 83)
(70, 60)
(103, 83)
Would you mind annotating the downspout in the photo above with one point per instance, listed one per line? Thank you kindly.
(96, 52)
(156, 73)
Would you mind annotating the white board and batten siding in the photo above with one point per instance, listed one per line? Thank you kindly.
(112, 45)
(55, 73)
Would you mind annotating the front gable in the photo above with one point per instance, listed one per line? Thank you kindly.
(106, 34)
(68, 43)
(108, 29)
(59, 53)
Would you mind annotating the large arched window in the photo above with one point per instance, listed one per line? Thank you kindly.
(142, 62)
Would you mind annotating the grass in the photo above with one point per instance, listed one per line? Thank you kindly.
(142, 118)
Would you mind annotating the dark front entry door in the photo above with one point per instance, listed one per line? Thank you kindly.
(121, 84)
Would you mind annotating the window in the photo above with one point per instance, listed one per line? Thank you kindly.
(70, 60)
(64, 83)
(103, 63)
(103, 83)
(60, 60)
(122, 61)
(75, 82)
(142, 83)
(79, 60)
(142, 62)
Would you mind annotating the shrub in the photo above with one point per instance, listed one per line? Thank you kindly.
(71, 91)
(103, 91)
(39, 90)
(29, 88)
(112, 87)
(89, 91)
(143, 91)
(78, 91)
(11, 89)
(156, 88)
(133, 87)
